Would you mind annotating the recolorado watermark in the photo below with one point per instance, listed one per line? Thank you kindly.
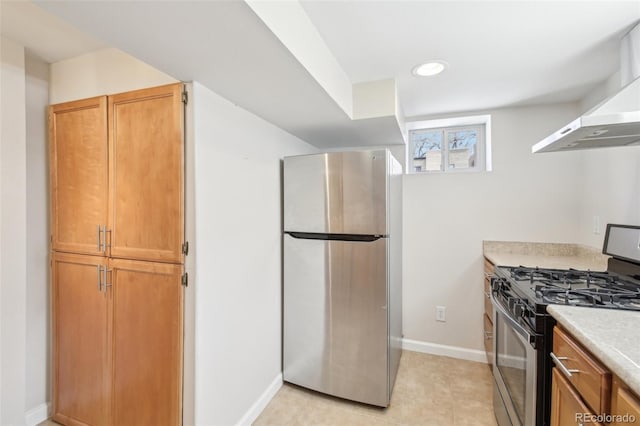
(605, 418)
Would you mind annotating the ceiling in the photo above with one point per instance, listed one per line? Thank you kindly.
(499, 53)
(45, 35)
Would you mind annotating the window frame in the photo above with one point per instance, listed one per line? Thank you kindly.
(482, 125)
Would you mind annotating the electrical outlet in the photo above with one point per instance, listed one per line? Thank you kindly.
(440, 313)
(596, 225)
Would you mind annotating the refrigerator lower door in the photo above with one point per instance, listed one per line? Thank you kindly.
(335, 318)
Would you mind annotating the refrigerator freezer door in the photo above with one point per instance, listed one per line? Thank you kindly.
(336, 193)
(335, 318)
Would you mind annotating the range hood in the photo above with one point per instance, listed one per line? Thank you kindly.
(614, 122)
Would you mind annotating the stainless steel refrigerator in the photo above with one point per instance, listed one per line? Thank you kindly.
(342, 309)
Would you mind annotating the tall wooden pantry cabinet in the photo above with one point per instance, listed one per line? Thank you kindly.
(117, 260)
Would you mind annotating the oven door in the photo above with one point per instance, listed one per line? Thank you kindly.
(514, 370)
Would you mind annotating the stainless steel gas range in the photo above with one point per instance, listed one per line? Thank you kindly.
(523, 330)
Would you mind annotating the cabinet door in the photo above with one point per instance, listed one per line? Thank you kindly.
(78, 174)
(81, 357)
(147, 343)
(146, 174)
(593, 382)
(625, 406)
(567, 408)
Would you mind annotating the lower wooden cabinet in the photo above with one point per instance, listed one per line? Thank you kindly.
(81, 356)
(117, 341)
(567, 407)
(488, 340)
(147, 343)
(488, 312)
(591, 379)
(625, 405)
(586, 391)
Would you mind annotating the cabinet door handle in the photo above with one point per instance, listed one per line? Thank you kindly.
(99, 243)
(104, 238)
(488, 335)
(105, 231)
(99, 283)
(106, 281)
(557, 360)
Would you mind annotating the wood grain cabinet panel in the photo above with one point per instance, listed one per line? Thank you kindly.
(146, 174)
(488, 340)
(567, 407)
(80, 341)
(118, 162)
(591, 390)
(591, 379)
(488, 307)
(625, 405)
(147, 347)
(488, 313)
(78, 174)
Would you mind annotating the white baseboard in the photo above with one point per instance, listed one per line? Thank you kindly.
(444, 350)
(37, 414)
(254, 411)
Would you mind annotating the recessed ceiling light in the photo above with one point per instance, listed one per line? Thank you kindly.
(429, 68)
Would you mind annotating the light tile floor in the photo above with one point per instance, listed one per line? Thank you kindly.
(429, 390)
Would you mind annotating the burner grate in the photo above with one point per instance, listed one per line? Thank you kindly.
(569, 298)
(560, 277)
(579, 288)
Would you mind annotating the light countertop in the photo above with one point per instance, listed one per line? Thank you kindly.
(544, 255)
(611, 335)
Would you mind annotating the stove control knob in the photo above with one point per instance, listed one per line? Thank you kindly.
(495, 284)
(513, 303)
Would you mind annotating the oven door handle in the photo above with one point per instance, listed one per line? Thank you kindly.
(517, 327)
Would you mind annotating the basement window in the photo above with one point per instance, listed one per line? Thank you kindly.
(450, 145)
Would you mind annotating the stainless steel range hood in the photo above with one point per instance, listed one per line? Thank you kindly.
(616, 121)
(606, 126)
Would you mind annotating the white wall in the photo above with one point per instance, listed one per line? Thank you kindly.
(24, 237)
(610, 187)
(446, 216)
(37, 288)
(13, 234)
(104, 72)
(238, 256)
(610, 190)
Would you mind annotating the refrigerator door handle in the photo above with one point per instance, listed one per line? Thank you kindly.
(335, 237)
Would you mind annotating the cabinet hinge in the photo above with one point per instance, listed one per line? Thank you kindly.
(185, 97)
(185, 248)
(185, 279)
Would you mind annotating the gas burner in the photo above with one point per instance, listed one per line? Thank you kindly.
(569, 297)
(626, 302)
(582, 293)
(562, 278)
(573, 287)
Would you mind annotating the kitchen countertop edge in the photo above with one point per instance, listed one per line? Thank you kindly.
(544, 255)
(616, 347)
